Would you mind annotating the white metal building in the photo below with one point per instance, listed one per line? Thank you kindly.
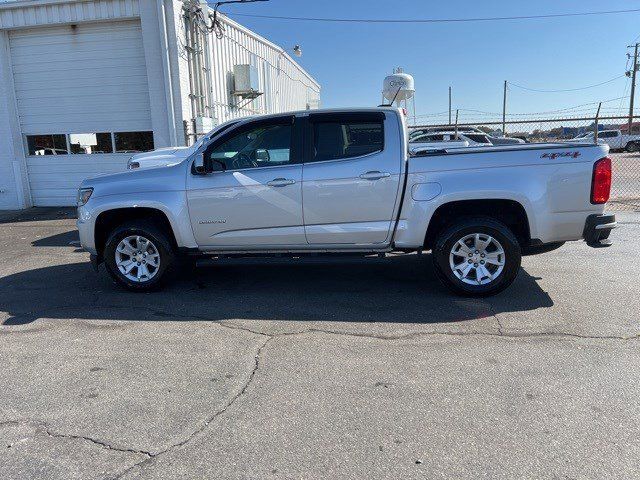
(85, 83)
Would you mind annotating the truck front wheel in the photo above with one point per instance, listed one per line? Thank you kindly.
(477, 256)
(137, 255)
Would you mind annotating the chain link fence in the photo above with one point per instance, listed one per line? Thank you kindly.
(622, 136)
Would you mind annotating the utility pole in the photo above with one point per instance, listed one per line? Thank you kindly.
(504, 110)
(633, 85)
(449, 105)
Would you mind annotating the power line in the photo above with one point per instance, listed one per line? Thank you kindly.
(436, 20)
(567, 89)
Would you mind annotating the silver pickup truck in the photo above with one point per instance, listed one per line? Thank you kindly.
(336, 181)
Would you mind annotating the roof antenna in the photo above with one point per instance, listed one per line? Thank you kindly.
(390, 104)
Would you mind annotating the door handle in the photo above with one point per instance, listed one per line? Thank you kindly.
(375, 175)
(280, 182)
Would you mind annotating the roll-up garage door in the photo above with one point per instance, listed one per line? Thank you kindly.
(83, 103)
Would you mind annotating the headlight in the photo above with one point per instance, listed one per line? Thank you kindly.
(84, 194)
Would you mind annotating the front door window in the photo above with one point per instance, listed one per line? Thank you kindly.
(263, 146)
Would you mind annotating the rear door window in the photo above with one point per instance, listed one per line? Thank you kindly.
(343, 137)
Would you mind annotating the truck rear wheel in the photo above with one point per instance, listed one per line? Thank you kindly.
(137, 255)
(633, 147)
(477, 256)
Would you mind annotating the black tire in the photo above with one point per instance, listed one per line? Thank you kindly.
(449, 236)
(157, 236)
(632, 147)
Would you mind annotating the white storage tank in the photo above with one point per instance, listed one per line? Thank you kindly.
(398, 87)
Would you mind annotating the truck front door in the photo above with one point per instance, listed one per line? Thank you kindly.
(351, 177)
(254, 199)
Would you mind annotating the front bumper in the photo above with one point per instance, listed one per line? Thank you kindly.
(597, 229)
(86, 226)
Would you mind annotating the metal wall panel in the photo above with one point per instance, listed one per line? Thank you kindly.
(285, 85)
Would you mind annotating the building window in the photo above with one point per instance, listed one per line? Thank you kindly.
(132, 142)
(55, 144)
(89, 143)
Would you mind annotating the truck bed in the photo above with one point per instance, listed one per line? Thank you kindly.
(501, 148)
(551, 181)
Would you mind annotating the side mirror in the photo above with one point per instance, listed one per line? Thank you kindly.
(203, 165)
(198, 165)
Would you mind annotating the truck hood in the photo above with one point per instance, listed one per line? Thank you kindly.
(170, 178)
(165, 151)
(161, 157)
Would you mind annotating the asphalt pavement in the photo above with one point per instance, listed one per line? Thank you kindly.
(316, 369)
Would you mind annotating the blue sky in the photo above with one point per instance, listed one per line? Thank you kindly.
(350, 60)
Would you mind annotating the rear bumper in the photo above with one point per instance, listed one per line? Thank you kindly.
(597, 229)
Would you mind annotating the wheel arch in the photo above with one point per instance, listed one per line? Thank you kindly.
(510, 212)
(109, 219)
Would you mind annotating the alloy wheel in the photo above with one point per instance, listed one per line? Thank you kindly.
(477, 259)
(137, 258)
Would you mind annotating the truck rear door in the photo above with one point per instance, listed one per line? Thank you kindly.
(351, 177)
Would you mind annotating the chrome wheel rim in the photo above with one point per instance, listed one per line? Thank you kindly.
(137, 258)
(477, 259)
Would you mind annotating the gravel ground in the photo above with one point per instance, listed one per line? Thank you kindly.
(315, 370)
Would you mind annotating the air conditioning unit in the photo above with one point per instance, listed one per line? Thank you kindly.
(204, 125)
(246, 82)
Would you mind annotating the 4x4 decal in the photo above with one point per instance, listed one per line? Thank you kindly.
(555, 155)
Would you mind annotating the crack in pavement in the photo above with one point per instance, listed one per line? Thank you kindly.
(500, 334)
(41, 427)
(149, 455)
(100, 443)
(152, 456)
(223, 323)
(495, 316)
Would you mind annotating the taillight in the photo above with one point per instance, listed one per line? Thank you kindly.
(601, 181)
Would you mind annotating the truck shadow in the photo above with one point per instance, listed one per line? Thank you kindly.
(64, 239)
(396, 289)
(37, 214)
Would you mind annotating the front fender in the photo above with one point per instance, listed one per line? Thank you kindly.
(172, 203)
